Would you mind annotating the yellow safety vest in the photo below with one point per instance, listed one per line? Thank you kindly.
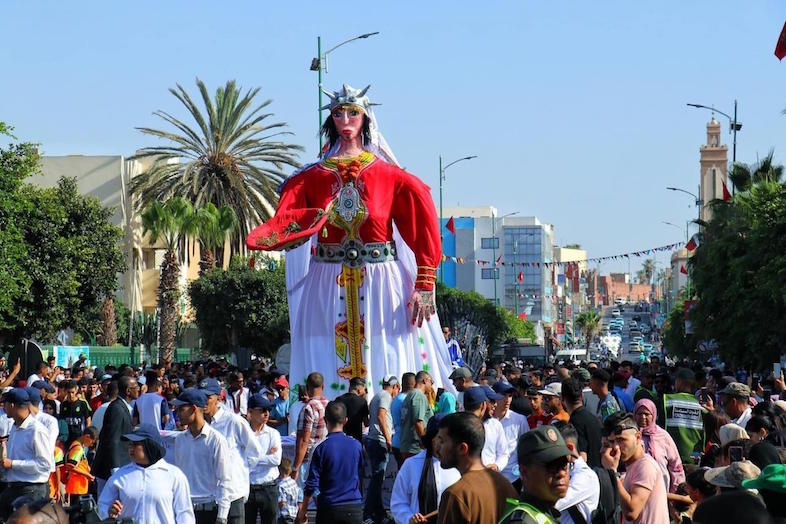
(534, 513)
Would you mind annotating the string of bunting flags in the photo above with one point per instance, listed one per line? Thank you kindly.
(644, 252)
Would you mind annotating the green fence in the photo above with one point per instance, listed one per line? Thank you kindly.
(103, 356)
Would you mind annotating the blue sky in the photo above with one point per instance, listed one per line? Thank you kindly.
(575, 109)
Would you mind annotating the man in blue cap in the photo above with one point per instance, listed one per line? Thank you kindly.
(148, 489)
(263, 496)
(244, 450)
(202, 453)
(29, 459)
(513, 425)
(495, 449)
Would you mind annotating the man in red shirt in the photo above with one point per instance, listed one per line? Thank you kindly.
(99, 399)
(539, 417)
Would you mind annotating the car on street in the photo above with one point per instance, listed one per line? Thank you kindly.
(634, 347)
(615, 312)
(619, 301)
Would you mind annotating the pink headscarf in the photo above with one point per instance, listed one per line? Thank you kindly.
(660, 446)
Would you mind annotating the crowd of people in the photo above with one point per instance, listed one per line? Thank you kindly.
(207, 442)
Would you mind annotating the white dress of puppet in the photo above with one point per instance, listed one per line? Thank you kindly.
(320, 300)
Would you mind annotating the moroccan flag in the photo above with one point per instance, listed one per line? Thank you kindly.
(683, 270)
(451, 225)
(693, 243)
(523, 316)
(521, 277)
(726, 194)
(780, 47)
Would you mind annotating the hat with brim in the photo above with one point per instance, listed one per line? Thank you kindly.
(733, 475)
(542, 445)
(191, 397)
(460, 373)
(287, 229)
(144, 432)
(772, 478)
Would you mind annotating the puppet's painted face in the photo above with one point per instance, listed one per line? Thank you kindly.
(348, 121)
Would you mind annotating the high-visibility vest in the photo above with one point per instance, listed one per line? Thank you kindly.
(514, 505)
(685, 423)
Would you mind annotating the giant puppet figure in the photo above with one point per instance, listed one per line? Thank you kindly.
(363, 248)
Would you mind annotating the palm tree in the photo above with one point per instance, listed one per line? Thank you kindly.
(210, 225)
(588, 321)
(232, 157)
(648, 270)
(170, 222)
(744, 176)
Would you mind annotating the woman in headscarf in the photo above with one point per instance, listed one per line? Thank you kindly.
(659, 444)
(148, 489)
(421, 481)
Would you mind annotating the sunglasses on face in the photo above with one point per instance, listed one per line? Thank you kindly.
(556, 466)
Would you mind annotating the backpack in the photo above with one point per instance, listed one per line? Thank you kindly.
(609, 510)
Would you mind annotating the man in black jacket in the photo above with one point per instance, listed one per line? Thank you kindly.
(112, 452)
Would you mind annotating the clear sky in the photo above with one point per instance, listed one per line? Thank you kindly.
(575, 109)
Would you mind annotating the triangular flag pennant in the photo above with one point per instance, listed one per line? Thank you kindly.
(521, 277)
(780, 47)
(683, 270)
(499, 258)
(451, 225)
(726, 194)
(693, 243)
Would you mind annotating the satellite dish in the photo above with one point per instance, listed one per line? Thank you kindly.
(29, 354)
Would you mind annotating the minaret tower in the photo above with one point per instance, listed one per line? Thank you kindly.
(714, 168)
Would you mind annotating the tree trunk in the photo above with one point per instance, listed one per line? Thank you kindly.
(168, 295)
(207, 262)
(108, 323)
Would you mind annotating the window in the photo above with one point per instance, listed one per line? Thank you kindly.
(490, 273)
(489, 243)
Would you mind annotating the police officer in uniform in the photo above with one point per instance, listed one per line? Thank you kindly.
(544, 464)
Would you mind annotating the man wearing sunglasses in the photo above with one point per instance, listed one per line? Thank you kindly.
(642, 490)
(544, 465)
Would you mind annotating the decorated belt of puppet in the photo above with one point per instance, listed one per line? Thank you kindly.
(354, 253)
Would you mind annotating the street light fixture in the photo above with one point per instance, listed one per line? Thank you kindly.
(441, 179)
(320, 62)
(494, 241)
(696, 198)
(734, 125)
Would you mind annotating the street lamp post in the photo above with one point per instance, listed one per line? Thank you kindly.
(494, 241)
(696, 198)
(441, 179)
(319, 63)
(734, 126)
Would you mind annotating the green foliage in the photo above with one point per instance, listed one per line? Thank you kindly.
(588, 322)
(230, 156)
(674, 338)
(242, 307)
(739, 272)
(59, 252)
(496, 324)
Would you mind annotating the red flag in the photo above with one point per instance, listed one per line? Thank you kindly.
(521, 277)
(726, 194)
(523, 316)
(780, 47)
(683, 270)
(693, 243)
(451, 225)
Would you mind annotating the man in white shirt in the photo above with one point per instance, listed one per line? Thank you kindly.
(41, 372)
(263, 497)
(48, 421)
(237, 395)
(513, 424)
(495, 447)
(735, 399)
(28, 459)
(202, 453)
(244, 450)
(584, 488)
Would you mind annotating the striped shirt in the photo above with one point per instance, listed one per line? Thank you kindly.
(312, 419)
(289, 494)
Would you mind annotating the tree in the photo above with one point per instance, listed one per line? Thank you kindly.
(648, 270)
(108, 323)
(59, 252)
(588, 322)
(169, 222)
(233, 157)
(739, 272)
(242, 307)
(211, 226)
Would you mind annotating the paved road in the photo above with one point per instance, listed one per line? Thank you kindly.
(627, 314)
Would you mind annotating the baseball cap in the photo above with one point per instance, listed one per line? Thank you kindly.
(34, 394)
(43, 384)
(281, 381)
(144, 432)
(733, 475)
(502, 387)
(554, 389)
(17, 396)
(461, 373)
(106, 377)
(390, 380)
(474, 396)
(259, 401)
(211, 386)
(619, 422)
(541, 445)
(582, 374)
(141, 379)
(737, 390)
(491, 394)
(191, 396)
(772, 478)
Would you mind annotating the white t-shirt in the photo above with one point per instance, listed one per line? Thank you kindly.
(495, 449)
